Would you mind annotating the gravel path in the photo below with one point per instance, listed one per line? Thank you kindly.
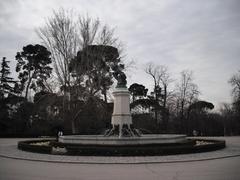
(8, 148)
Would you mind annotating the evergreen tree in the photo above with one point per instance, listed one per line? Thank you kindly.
(33, 68)
(94, 65)
(137, 90)
(5, 80)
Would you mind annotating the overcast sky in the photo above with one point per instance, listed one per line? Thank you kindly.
(199, 35)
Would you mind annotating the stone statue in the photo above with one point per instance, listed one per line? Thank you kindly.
(119, 75)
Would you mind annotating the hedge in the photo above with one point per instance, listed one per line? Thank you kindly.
(28, 146)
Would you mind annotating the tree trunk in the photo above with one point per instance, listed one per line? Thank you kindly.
(105, 95)
(73, 125)
(156, 110)
(27, 88)
(165, 118)
(182, 117)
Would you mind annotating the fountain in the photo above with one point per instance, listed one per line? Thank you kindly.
(121, 117)
(122, 135)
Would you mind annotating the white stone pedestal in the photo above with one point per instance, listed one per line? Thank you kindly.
(121, 111)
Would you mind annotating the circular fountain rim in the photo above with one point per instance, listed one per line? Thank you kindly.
(144, 136)
(115, 140)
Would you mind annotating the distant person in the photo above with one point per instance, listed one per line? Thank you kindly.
(195, 133)
(60, 133)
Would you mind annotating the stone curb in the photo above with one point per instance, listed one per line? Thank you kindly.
(140, 162)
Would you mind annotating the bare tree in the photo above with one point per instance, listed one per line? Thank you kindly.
(186, 93)
(161, 78)
(235, 82)
(64, 36)
(165, 80)
(88, 29)
(60, 36)
(152, 70)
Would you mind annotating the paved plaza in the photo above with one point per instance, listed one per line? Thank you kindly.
(220, 165)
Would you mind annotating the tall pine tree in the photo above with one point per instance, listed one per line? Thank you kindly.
(33, 66)
(5, 80)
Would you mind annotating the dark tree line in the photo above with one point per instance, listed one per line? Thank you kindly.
(32, 68)
(179, 110)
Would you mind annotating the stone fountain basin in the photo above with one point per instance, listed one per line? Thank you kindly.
(147, 145)
(115, 140)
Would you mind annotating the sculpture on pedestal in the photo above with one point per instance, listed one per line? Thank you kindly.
(119, 75)
(121, 117)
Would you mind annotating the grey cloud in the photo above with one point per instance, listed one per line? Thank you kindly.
(191, 34)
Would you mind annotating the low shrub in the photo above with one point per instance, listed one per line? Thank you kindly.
(38, 146)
